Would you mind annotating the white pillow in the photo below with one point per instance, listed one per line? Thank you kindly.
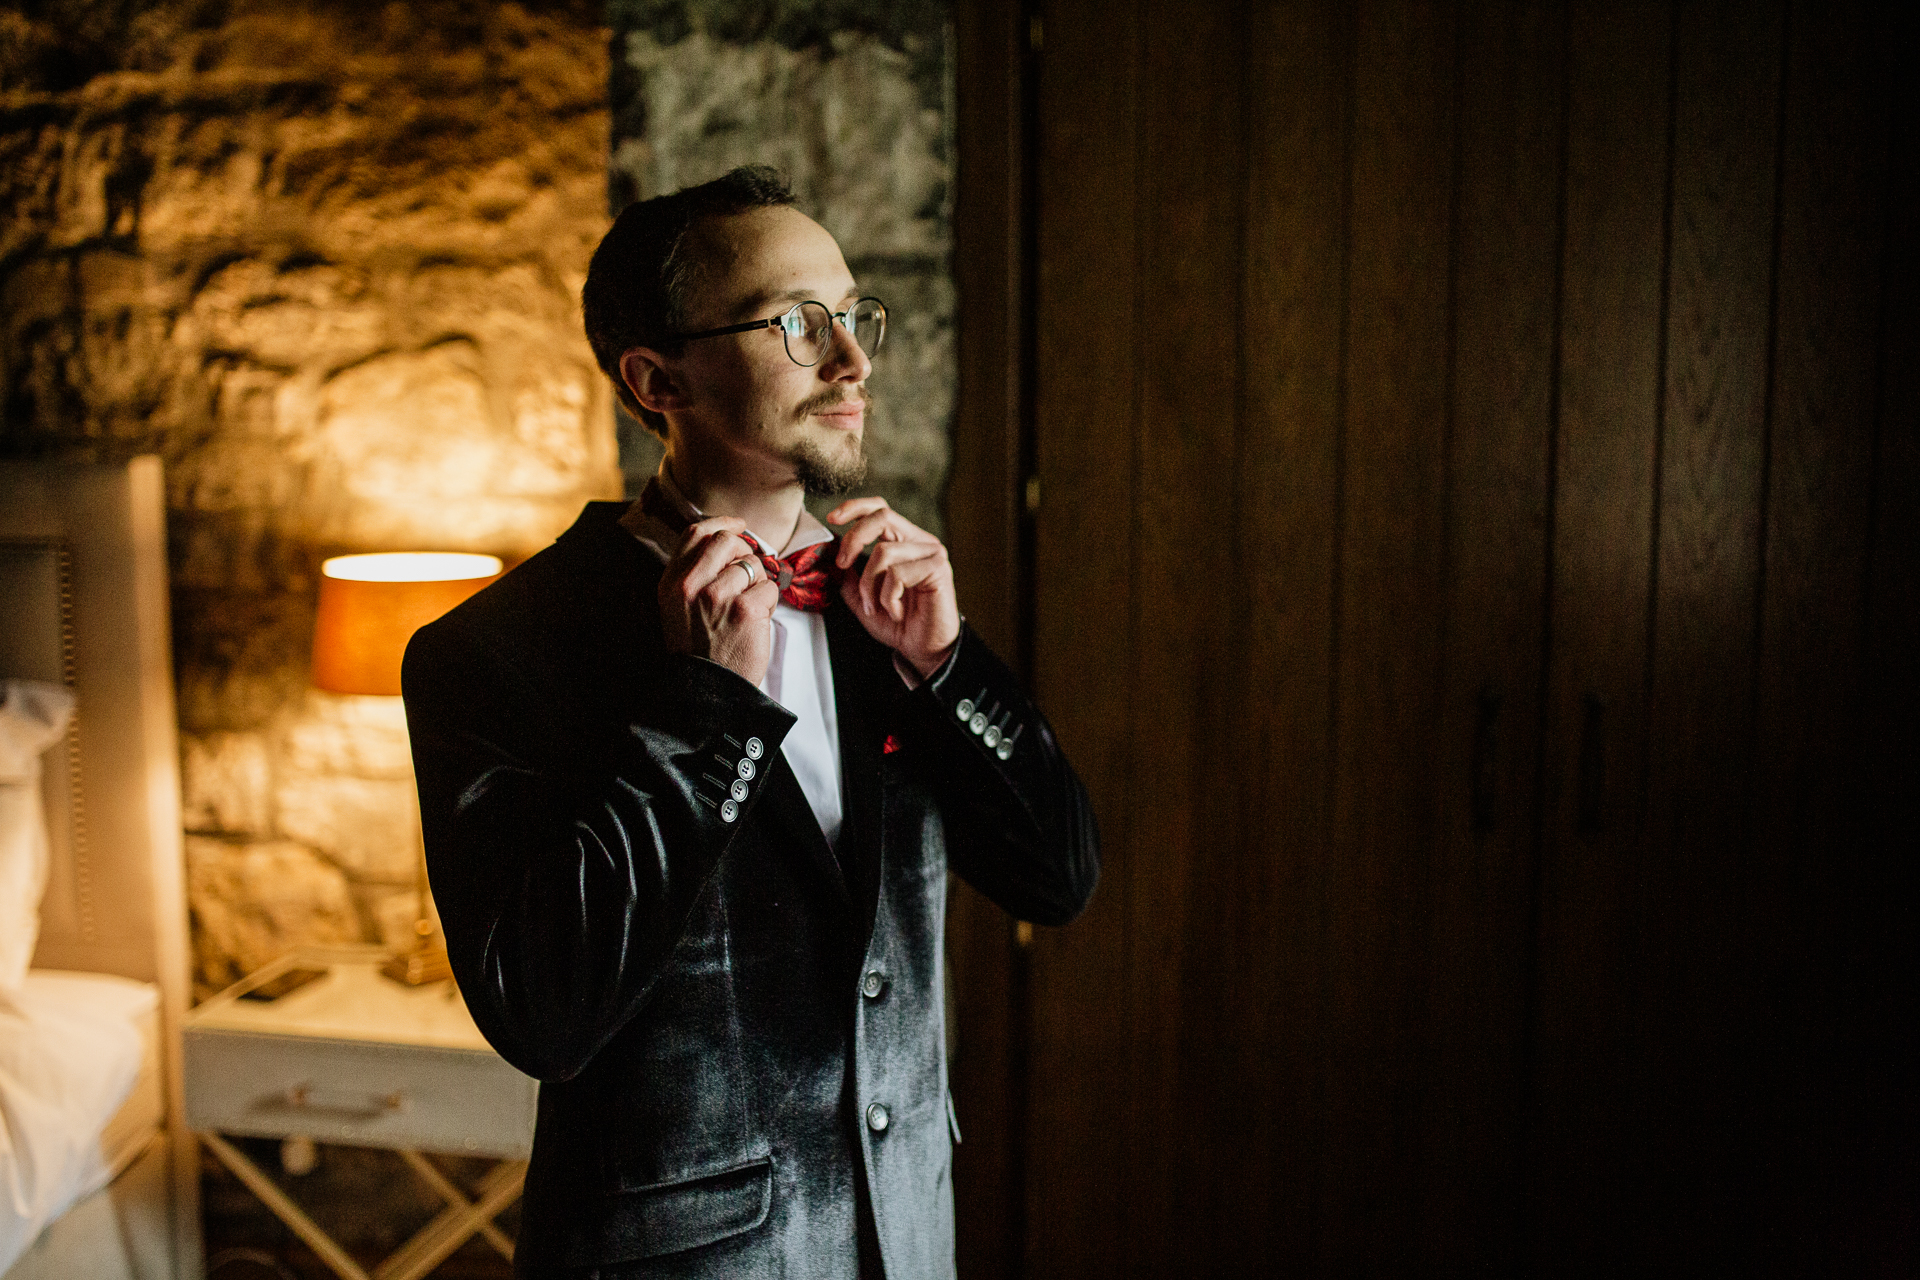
(33, 716)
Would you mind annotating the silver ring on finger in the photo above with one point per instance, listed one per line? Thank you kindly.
(748, 565)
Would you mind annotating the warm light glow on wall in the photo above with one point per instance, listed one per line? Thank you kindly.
(370, 606)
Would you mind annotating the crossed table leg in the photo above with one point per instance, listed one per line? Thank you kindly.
(429, 1246)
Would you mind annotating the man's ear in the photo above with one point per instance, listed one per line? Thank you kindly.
(644, 370)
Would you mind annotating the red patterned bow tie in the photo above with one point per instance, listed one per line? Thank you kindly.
(803, 577)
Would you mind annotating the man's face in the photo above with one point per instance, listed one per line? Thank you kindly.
(774, 421)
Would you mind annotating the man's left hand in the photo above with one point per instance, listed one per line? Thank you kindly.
(904, 597)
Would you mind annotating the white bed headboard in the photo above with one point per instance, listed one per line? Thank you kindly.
(83, 602)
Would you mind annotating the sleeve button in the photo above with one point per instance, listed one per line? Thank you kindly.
(738, 790)
(746, 769)
(979, 722)
(755, 748)
(992, 736)
(1005, 749)
(729, 811)
(965, 709)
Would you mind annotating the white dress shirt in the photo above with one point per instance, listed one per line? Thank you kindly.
(799, 675)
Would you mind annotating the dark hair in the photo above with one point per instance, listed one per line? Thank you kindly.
(638, 281)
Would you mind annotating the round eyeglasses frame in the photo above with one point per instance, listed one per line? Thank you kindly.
(792, 324)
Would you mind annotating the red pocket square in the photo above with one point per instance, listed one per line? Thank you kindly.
(891, 745)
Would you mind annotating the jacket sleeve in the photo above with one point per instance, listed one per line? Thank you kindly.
(1020, 828)
(563, 892)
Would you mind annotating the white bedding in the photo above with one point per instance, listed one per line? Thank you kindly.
(71, 1049)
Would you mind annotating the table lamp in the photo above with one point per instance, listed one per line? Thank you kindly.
(370, 606)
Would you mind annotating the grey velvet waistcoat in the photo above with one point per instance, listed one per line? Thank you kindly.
(735, 1029)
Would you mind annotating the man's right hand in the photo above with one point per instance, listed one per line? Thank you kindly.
(706, 607)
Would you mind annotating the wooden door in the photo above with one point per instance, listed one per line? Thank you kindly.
(1471, 446)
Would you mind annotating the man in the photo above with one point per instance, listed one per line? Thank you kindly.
(692, 779)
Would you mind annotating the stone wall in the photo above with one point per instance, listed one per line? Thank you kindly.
(324, 258)
(853, 100)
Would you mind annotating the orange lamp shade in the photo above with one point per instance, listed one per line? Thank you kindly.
(370, 606)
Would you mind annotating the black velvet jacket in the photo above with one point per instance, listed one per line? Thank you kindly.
(728, 1020)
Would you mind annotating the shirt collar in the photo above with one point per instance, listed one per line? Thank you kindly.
(808, 532)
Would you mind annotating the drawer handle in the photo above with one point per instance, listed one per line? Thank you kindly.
(348, 1106)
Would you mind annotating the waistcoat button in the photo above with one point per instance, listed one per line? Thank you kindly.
(877, 1117)
(873, 984)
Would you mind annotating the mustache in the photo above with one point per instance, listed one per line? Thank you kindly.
(828, 400)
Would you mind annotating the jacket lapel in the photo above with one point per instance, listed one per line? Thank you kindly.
(786, 805)
(863, 679)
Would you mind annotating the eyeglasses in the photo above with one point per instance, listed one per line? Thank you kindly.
(807, 328)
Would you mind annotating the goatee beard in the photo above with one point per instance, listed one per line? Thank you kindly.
(822, 475)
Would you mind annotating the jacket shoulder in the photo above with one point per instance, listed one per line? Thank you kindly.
(593, 585)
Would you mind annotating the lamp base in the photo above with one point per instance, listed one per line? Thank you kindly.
(418, 967)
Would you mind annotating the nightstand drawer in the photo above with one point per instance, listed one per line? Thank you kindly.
(461, 1101)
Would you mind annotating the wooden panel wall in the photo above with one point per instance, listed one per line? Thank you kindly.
(1474, 574)
(985, 523)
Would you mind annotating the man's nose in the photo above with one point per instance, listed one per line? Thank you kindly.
(845, 361)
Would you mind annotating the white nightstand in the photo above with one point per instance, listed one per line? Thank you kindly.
(356, 1058)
